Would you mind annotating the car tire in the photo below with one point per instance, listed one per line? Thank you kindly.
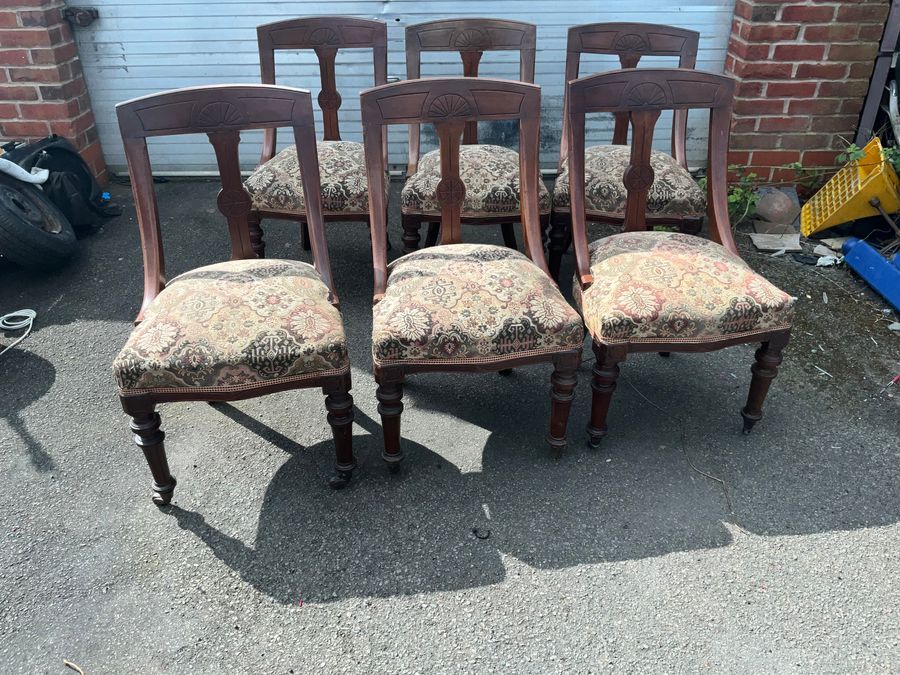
(34, 234)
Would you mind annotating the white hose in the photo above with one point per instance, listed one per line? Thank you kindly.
(37, 176)
(24, 318)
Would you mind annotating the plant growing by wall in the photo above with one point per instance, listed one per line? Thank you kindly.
(742, 193)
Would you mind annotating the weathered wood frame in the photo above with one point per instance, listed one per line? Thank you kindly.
(450, 104)
(642, 94)
(630, 42)
(324, 35)
(222, 112)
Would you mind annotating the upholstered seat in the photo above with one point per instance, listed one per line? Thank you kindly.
(669, 287)
(490, 174)
(471, 303)
(674, 191)
(275, 186)
(232, 326)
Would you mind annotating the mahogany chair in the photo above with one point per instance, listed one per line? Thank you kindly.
(490, 172)
(647, 291)
(675, 197)
(237, 329)
(464, 307)
(275, 184)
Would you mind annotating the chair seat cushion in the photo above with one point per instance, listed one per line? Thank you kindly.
(674, 191)
(470, 303)
(490, 174)
(669, 287)
(275, 186)
(232, 326)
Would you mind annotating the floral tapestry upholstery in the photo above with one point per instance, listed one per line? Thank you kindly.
(674, 191)
(663, 286)
(490, 174)
(233, 326)
(470, 303)
(275, 186)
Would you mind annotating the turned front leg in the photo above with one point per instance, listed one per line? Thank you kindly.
(254, 221)
(411, 236)
(149, 438)
(339, 404)
(390, 407)
(603, 384)
(562, 392)
(764, 369)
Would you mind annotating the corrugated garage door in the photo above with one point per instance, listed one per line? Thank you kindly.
(138, 48)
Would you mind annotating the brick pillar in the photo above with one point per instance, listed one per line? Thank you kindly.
(803, 69)
(42, 87)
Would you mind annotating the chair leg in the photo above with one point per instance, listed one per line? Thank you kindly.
(256, 234)
(339, 404)
(304, 236)
(509, 236)
(390, 406)
(562, 392)
(149, 438)
(434, 231)
(411, 226)
(606, 371)
(559, 242)
(764, 369)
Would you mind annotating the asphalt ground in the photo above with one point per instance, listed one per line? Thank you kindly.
(681, 545)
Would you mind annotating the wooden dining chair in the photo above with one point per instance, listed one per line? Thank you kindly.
(647, 291)
(464, 307)
(675, 197)
(241, 328)
(489, 172)
(275, 186)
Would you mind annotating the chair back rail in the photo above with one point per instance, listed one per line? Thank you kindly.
(471, 37)
(631, 41)
(325, 35)
(642, 94)
(449, 104)
(221, 112)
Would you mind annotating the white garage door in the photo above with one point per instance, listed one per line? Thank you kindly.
(138, 48)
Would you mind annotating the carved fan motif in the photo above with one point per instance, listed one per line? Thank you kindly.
(321, 37)
(220, 113)
(449, 105)
(631, 43)
(472, 39)
(233, 203)
(450, 191)
(646, 93)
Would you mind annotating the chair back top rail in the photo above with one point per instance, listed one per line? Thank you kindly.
(642, 94)
(221, 112)
(471, 37)
(631, 41)
(450, 104)
(325, 35)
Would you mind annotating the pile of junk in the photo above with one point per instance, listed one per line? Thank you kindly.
(48, 199)
(863, 199)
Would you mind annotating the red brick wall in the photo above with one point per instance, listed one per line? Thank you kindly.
(803, 68)
(42, 87)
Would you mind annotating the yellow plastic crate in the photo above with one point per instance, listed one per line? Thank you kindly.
(846, 196)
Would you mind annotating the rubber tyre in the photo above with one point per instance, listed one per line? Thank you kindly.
(23, 241)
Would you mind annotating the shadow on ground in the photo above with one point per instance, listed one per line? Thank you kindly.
(41, 376)
(478, 482)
